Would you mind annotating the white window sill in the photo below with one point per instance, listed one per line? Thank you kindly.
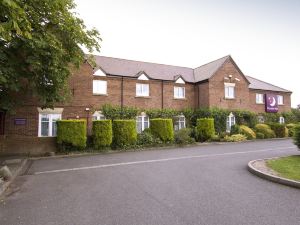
(260, 103)
(229, 98)
(141, 96)
(179, 98)
(100, 94)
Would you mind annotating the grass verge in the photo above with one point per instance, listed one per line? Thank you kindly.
(287, 167)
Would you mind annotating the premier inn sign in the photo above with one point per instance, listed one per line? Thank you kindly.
(271, 103)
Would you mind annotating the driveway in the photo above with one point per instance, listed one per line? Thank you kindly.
(207, 185)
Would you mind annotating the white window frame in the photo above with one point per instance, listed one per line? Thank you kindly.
(280, 99)
(98, 90)
(179, 122)
(229, 94)
(50, 123)
(177, 92)
(230, 121)
(97, 115)
(281, 120)
(259, 98)
(144, 91)
(144, 120)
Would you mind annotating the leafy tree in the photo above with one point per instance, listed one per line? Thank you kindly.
(40, 43)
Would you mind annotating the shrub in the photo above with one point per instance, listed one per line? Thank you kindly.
(205, 129)
(260, 135)
(162, 128)
(71, 134)
(235, 129)
(248, 132)
(118, 112)
(102, 133)
(147, 139)
(265, 130)
(215, 138)
(235, 138)
(183, 136)
(279, 129)
(124, 133)
(297, 136)
(291, 127)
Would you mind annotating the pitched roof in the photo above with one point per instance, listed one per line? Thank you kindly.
(262, 85)
(131, 68)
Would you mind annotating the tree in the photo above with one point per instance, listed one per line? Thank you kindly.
(40, 43)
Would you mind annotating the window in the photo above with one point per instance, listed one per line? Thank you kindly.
(98, 116)
(259, 98)
(281, 120)
(99, 87)
(179, 122)
(229, 90)
(179, 92)
(142, 122)
(142, 89)
(280, 99)
(230, 122)
(47, 124)
(143, 77)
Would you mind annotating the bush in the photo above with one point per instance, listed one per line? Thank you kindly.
(163, 129)
(248, 132)
(265, 130)
(124, 133)
(71, 134)
(118, 112)
(279, 129)
(291, 127)
(205, 129)
(147, 139)
(102, 133)
(183, 136)
(297, 136)
(215, 138)
(260, 135)
(235, 138)
(235, 129)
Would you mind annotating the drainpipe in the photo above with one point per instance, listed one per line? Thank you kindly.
(162, 94)
(122, 92)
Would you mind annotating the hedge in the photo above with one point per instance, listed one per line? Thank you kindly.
(71, 134)
(162, 128)
(102, 133)
(205, 129)
(248, 132)
(124, 133)
(291, 127)
(265, 130)
(297, 136)
(279, 129)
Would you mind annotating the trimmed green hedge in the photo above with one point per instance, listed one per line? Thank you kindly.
(279, 129)
(102, 133)
(291, 127)
(265, 130)
(248, 132)
(124, 133)
(71, 134)
(162, 128)
(205, 129)
(297, 136)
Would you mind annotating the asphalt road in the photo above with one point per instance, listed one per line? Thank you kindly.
(207, 185)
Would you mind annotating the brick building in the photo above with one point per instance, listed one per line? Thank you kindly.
(144, 85)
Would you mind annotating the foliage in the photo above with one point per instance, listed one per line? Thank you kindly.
(71, 134)
(235, 129)
(102, 133)
(117, 112)
(260, 135)
(183, 136)
(235, 138)
(162, 113)
(216, 138)
(265, 130)
(279, 129)
(290, 117)
(40, 43)
(243, 117)
(248, 132)
(291, 127)
(162, 128)
(271, 117)
(297, 136)
(147, 139)
(124, 133)
(205, 129)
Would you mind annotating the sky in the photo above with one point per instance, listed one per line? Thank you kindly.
(262, 36)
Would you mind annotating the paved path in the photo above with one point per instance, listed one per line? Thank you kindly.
(207, 185)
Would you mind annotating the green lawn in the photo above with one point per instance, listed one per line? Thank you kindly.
(287, 167)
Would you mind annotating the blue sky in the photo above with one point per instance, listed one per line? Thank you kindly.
(263, 37)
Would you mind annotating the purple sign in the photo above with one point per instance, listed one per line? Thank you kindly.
(20, 121)
(271, 103)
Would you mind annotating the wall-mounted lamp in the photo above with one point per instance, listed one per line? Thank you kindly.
(87, 109)
(237, 79)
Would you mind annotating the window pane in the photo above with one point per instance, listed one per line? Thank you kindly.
(146, 89)
(99, 87)
(44, 128)
(54, 128)
(146, 122)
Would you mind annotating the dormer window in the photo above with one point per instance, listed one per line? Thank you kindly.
(143, 77)
(99, 72)
(179, 81)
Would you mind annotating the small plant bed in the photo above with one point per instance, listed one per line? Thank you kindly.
(287, 167)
